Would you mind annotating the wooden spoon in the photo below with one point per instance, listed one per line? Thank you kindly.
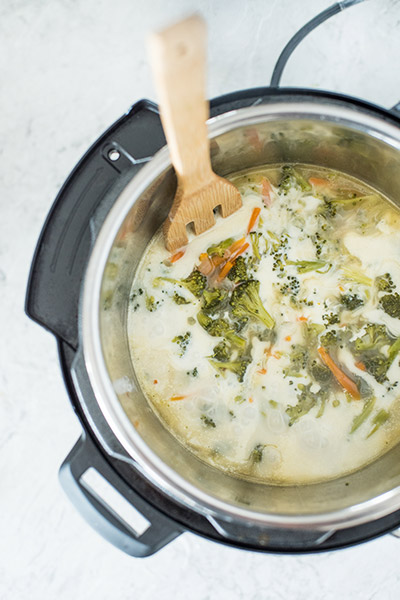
(178, 57)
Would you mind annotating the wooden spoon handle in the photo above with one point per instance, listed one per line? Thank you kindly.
(178, 61)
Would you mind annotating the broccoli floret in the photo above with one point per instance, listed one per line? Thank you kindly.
(329, 339)
(306, 401)
(182, 341)
(179, 299)
(384, 283)
(320, 373)
(207, 421)
(221, 352)
(298, 360)
(256, 455)
(220, 328)
(377, 366)
(290, 178)
(238, 367)
(240, 323)
(375, 336)
(245, 302)
(238, 273)
(219, 249)
(351, 301)
(391, 305)
(212, 299)
(196, 282)
(330, 319)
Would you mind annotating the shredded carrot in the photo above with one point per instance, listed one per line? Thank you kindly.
(360, 365)
(341, 288)
(262, 371)
(317, 181)
(288, 338)
(203, 255)
(177, 256)
(175, 398)
(240, 251)
(155, 381)
(253, 219)
(341, 377)
(302, 318)
(235, 246)
(266, 190)
(250, 399)
(225, 270)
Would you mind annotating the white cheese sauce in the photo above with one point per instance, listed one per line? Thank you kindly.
(250, 427)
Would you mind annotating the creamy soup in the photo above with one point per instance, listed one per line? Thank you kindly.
(270, 345)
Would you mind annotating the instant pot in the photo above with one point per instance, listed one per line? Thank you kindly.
(90, 246)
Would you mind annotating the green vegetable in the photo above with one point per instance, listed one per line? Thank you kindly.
(298, 360)
(292, 178)
(330, 319)
(306, 401)
(391, 305)
(207, 421)
(384, 283)
(330, 339)
(364, 414)
(375, 337)
(195, 282)
(238, 367)
(256, 455)
(193, 373)
(305, 266)
(245, 302)
(320, 373)
(220, 328)
(238, 273)
(377, 366)
(182, 341)
(255, 243)
(151, 304)
(180, 299)
(356, 275)
(219, 249)
(221, 352)
(380, 418)
(213, 299)
(351, 301)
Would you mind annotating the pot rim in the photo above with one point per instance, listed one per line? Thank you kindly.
(148, 462)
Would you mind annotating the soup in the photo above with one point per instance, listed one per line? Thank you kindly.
(270, 345)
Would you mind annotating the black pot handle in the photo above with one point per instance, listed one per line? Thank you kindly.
(160, 530)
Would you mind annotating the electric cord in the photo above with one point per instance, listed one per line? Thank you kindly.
(303, 32)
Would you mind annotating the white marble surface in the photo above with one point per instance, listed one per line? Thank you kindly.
(69, 68)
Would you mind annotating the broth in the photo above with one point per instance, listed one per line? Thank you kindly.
(278, 360)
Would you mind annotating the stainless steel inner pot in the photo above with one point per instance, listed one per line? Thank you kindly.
(320, 132)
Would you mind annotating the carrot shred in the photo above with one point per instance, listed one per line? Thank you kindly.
(235, 246)
(225, 270)
(176, 256)
(341, 288)
(317, 181)
(175, 398)
(253, 219)
(266, 190)
(240, 251)
(288, 338)
(251, 400)
(262, 371)
(203, 255)
(155, 381)
(360, 365)
(302, 318)
(341, 377)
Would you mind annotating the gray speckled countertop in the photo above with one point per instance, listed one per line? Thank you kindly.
(68, 69)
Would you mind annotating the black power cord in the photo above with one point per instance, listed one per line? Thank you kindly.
(301, 34)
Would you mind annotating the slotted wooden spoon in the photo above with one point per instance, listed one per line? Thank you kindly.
(178, 61)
